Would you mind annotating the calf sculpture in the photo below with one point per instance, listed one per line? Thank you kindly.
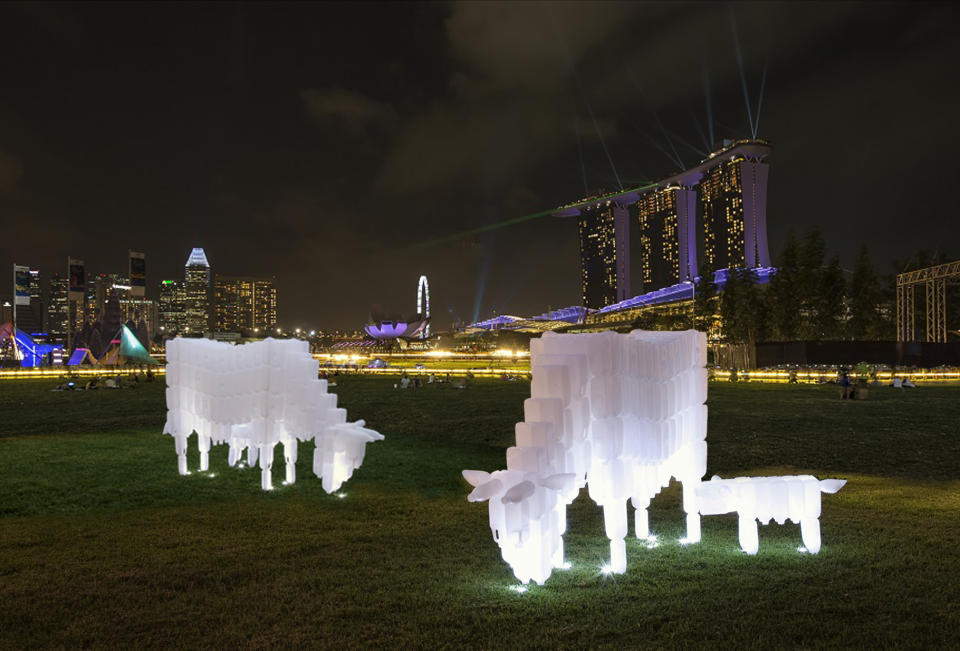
(767, 499)
(253, 397)
(622, 415)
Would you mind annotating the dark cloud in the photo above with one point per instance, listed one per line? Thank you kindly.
(342, 107)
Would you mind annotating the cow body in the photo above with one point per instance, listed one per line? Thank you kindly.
(768, 499)
(254, 397)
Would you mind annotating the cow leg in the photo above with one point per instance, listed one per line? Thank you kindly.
(181, 443)
(203, 444)
(749, 538)
(692, 509)
(810, 532)
(266, 466)
(561, 528)
(290, 456)
(615, 523)
(641, 518)
(558, 555)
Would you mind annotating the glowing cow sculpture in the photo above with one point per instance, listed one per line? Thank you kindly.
(769, 498)
(621, 414)
(253, 397)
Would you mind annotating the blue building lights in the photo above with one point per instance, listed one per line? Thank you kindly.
(577, 314)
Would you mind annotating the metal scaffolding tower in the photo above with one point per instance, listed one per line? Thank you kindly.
(934, 280)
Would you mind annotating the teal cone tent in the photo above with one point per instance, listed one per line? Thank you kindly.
(125, 348)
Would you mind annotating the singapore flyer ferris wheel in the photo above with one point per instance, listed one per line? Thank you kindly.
(423, 304)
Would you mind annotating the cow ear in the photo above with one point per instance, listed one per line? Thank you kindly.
(558, 482)
(485, 491)
(831, 485)
(476, 477)
(518, 493)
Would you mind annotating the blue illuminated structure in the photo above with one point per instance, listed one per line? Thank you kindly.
(682, 291)
(29, 352)
(567, 315)
(81, 355)
(497, 322)
(572, 314)
(576, 314)
(395, 329)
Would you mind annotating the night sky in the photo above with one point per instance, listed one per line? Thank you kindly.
(337, 146)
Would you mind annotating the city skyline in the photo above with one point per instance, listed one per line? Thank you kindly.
(331, 172)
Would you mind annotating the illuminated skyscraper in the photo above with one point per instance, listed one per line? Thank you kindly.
(264, 315)
(733, 200)
(57, 315)
(30, 317)
(603, 227)
(102, 287)
(667, 218)
(245, 304)
(172, 307)
(197, 299)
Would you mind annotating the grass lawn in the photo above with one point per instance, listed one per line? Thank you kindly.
(102, 543)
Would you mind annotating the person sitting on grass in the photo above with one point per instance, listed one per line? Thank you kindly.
(907, 384)
(846, 388)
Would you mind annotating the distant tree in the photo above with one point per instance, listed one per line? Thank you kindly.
(809, 283)
(865, 298)
(785, 294)
(646, 320)
(705, 300)
(742, 308)
(831, 306)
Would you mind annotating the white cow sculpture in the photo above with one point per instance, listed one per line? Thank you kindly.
(254, 396)
(621, 414)
(795, 498)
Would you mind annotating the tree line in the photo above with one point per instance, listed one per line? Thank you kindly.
(810, 298)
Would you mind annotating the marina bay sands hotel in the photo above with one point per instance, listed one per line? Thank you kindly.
(714, 213)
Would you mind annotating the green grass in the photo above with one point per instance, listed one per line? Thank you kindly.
(103, 544)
